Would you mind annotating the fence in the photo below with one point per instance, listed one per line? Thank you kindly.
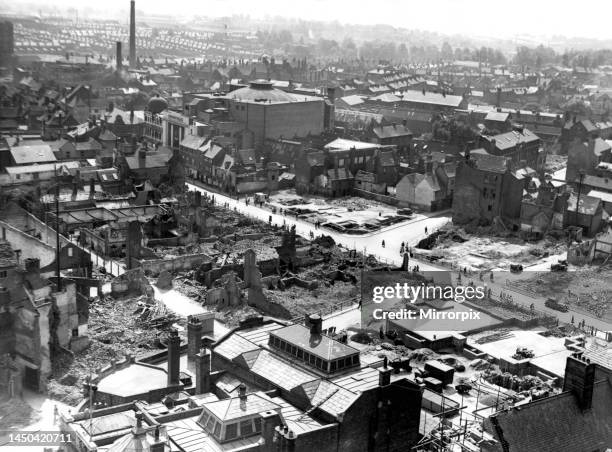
(335, 308)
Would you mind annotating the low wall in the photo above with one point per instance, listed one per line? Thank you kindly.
(392, 200)
(185, 263)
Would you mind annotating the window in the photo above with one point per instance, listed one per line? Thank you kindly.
(257, 423)
(246, 427)
(17, 176)
(319, 363)
(332, 367)
(70, 252)
(217, 431)
(3, 274)
(75, 332)
(231, 431)
(204, 419)
(300, 353)
(210, 424)
(340, 364)
(355, 359)
(490, 207)
(312, 359)
(347, 362)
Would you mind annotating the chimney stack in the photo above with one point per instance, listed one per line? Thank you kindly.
(580, 379)
(159, 442)
(202, 362)
(194, 336)
(119, 56)
(174, 356)
(32, 265)
(132, 34)
(498, 102)
(316, 324)
(269, 421)
(384, 376)
(242, 391)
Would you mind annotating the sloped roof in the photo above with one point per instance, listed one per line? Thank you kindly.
(429, 97)
(25, 155)
(603, 183)
(236, 408)
(558, 424)
(511, 139)
(588, 204)
(497, 116)
(392, 131)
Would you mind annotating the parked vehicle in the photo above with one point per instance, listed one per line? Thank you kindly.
(516, 268)
(554, 304)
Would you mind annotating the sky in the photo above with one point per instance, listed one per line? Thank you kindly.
(588, 18)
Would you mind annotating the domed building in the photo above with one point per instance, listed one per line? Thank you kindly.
(156, 105)
(262, 91)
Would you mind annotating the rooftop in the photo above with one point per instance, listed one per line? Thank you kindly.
(318, 345)
(25, 155)
(133, 380)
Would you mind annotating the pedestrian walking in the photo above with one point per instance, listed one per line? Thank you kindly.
(383, 243)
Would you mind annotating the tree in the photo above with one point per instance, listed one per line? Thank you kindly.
(446, 51)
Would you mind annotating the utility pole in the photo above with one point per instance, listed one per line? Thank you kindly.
(57, 234)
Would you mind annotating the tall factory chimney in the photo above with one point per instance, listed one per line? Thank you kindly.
(119, 56)
(132, 34)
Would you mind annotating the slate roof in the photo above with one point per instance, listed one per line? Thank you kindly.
(26, 155)
(511, 139)
(432, 98)
(588, 204)
(236, 408)
(557, 424)
(602, 183)
(392, 131)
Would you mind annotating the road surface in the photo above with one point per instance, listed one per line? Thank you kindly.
(411, 233)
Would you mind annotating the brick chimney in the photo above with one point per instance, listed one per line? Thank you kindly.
(194, 336)
(580, 379)
(174, 356)
(202, 371)
(269, 421)
(384, 374)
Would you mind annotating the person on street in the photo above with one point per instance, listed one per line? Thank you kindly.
(383, 243)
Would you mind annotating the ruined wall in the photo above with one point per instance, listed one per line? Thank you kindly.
(69, 318)
(183, 263)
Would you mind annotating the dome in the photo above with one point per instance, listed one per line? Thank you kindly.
(261, 91)
(157, 104)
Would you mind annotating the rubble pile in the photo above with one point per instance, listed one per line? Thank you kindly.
(16, 413)
(586, 289)
(117, 327)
